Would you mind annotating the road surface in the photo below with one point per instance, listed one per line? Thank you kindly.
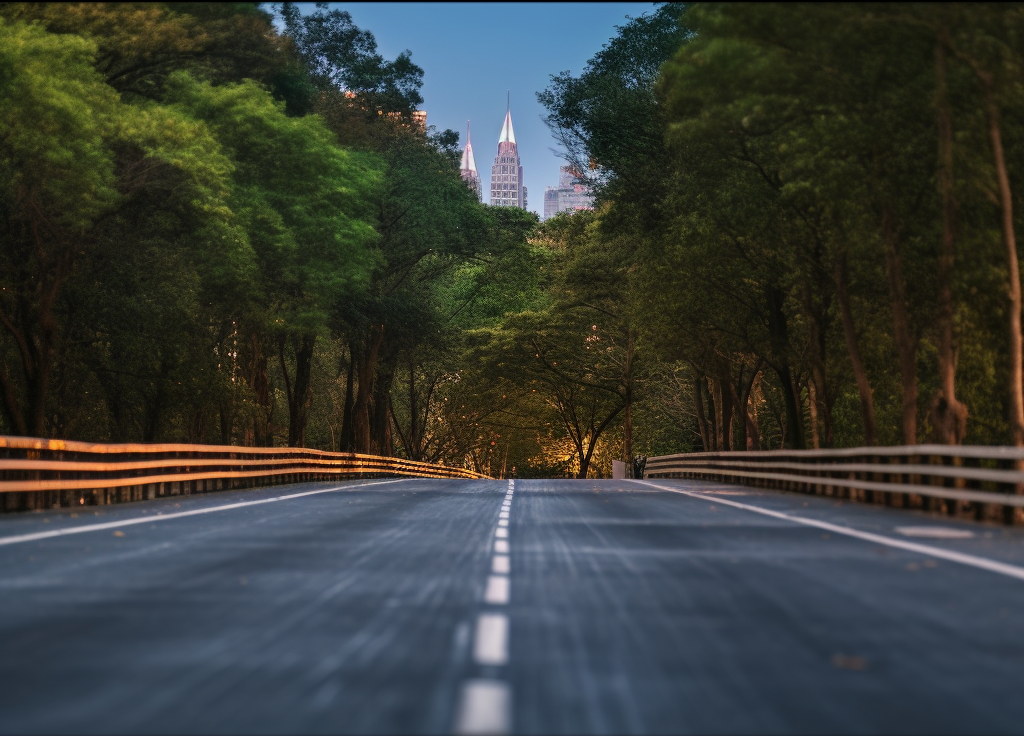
(440, 606)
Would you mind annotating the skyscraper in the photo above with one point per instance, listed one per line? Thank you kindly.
(468, 167)
(569, 195)
(507, 188)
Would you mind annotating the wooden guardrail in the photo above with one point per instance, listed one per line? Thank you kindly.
(39, 474)
(986, 483)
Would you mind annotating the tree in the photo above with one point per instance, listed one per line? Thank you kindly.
(307, 218)
(73, 157)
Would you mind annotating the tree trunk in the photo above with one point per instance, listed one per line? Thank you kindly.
(698, 407)
(364, 393)
(812, 406)
(860, 375)
(778, 335)
(627, 425)
(905, 343)
(259, 381)
(381, 438)
(948, 415)
(821, 406)
(595, 434)
(712, 413)
(1016, 388)
(347, 441)
(752, 431)
(751, 436)
(415, 450)
(298, 391)
(28, 415)
(724, 392)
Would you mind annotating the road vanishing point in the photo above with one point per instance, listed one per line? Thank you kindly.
(492, 606)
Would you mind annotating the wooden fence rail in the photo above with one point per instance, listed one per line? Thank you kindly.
(40, 474)
(986, 483)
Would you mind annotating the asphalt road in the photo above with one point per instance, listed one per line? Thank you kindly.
(456, 606)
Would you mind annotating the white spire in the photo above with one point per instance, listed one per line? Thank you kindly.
(507, 134)
(468, 161)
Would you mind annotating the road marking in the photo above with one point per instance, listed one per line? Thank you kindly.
(497, 590)
(485, 707)
(501, 533)
(934, 532)
(981, 563)
(502, 522)
(500, 564)
(503, 515)
(178, 515)
(501, 546)
(491, 644)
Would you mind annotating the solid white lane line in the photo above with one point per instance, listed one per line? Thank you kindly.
(485, 707)
(501, 546)
(178, 515)
(934, 532)
(501, 533)
(982, 563)
(500, 564)
(497, 590)
(502, 522)
(491, 644)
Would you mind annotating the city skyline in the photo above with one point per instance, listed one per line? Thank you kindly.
(454, 43)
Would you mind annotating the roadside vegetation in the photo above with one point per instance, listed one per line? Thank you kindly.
(222, 224)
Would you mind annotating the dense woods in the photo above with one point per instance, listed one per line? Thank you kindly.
(221, 224)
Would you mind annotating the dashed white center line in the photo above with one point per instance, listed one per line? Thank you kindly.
(485, 705)
(497, 590)
(491, 644)
(500, 564)
(484, 708)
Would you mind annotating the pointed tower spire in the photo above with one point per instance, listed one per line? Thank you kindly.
(468, 167)
(468, 160)
(507, 134)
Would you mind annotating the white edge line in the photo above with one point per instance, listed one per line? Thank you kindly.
(982, 563)
(177, 515)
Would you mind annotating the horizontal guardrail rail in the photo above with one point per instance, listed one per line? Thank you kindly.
(39, 473)
(986, 483)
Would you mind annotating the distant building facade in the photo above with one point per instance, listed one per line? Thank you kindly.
(468, 167)
(568, 196)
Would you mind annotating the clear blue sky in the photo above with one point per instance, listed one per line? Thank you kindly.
(471, 53)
